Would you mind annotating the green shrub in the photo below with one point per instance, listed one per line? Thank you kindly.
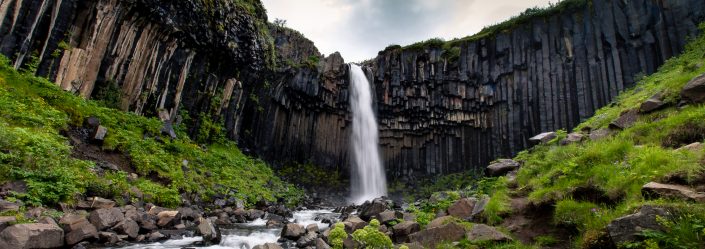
(371, 237)
(338, 235)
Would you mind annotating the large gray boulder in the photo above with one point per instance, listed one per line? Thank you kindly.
(445, 233)
(404, 229)
(372, 209)
(354, 223)
(34, 235)
(388, 216)
(627, 228)
(77, 228)
(670, 191)
(209, 232)
(572, 138)
(127, 227)
(652, 104)
(482, 232)
(462, 208)
(543, 137)
(293, 231)
(694, 91)
(106, 218)
(502, 167)
(95, 203)
(625, 120)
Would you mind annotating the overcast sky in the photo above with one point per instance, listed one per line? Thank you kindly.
(358, 29)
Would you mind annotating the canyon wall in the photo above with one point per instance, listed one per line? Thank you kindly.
(439, 112)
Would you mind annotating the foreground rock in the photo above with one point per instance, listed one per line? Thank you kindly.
(268, 246)
(694, 91)
(372, 209)
(654, 189)
(293, 231)
(482, 232)
(404, 229)
(502, 167)
(652, 104)
(77, 228)
(434, 236)
(572, 138)
(211, 234)
(625, 120)
(543, 137)
(627, 228)
(106, 218)
(462, 208)
(35, 235)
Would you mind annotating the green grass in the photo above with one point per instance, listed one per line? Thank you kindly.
(33, 112)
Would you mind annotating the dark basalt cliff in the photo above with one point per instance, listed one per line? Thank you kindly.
(278, 96)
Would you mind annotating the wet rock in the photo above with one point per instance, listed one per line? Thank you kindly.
(572, 138)
(307, 240)
(388, 216)
(105, 218)
(5, 221)
(543, 137)
(462, 208)
(188, 214)
(108, 238)
(694, 91)
(34, 235)
(239, 215)
(312, 228)
(628, 228)
(156, 236)
(372, 209)
(293, 231)
(8, 206)
(670, 191)
(209, 232)
(625, 120)
(501, 167)
(482, 232)
(403, 230)
(127, 227)
(254, 214)
(274, 220)
(268, 246)
(434, 236)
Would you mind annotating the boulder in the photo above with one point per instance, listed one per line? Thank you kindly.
(91, 122)
(99, 134)
(34, 235)
(652, 104)
(209, 232)
(462, 208)
(625, 120)
(599, 134)
(543, 137)
(654, 189)
(156, 236)
(628, 228)
(353, 223)
(434, 236)
(694, 91)
(501, 167)
(388, 216)
(95, 203)
(437, 222)
(372, 209)
(321, 244)
(8, 206)
(482, 232)
(188, 214)
(127, 227)
(572, 138)
(109, 238)
(312, 228)
(404, 229)
(165, 218)
(168, 130)
(254, 214)
(5, 221)
(293, 231)
(105, 218)
(79, 230)
(268, 246)
(694, 147)
(307, 240)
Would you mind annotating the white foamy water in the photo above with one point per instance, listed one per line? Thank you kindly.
(368, 179)
(243, 236)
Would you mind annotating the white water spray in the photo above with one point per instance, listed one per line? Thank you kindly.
(368, 179)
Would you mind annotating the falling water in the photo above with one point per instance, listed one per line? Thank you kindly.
(368, 180)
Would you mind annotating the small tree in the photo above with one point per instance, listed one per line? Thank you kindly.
(280, 22)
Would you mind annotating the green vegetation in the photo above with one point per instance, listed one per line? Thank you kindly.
(310, 175)
(338, 235)
(371, 237)
(34, 113)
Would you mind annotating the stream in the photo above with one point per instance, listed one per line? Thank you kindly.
(244, 235)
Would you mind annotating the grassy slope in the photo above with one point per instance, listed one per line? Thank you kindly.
(33, 111)
(614, 167)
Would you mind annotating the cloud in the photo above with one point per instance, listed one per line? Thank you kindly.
(358, 29)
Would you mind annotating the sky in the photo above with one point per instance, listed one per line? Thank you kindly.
(358, 29)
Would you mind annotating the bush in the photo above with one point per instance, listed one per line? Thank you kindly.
(371, 237)
(338, 235)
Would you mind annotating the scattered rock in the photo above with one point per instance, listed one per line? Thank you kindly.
(312, 228)
(694, 147)
(388, 216)
(479, 207)
(572, 138)
(654, 189)
(543, 137)
(209, 232)
(433, 236)
(627, 228)
(372, 209)
(354, 223)
(293, 231)
(600, 134)
(254, 214)
(437, 222)
(694, 91)
(156, 236)
(404, 229)
(5, 221)
(320, 244)
(652, 104)
(109, 238)
(127, 227)
(95, 203)
(168, 130)
(307, 240)
(501, 167)
(462, 208)
(105, 218)
(8, 206)
(625, 120)
(34, 235)
(78, 229)
(268, 246)
(91, 122)
(165, 218)
(99, 134)
(482, 232)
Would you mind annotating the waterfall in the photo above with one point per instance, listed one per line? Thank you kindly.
(368, 179)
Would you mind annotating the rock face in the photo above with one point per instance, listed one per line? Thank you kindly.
(438, 113)
(34, 236)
